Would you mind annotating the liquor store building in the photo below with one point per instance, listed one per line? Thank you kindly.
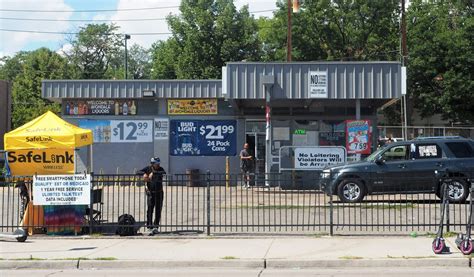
(201, 124)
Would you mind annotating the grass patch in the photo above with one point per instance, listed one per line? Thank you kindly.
(411, 257)
(445, 234)
(350, 258)
(397, 207)
(318, 235)
(28, 259)
(273, 207)
(229, 258)
(105, 259)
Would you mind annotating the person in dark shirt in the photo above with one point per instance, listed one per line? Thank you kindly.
(153, 176)
(246, 165)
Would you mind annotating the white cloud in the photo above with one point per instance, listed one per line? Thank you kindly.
(160, 26)
(12, 42)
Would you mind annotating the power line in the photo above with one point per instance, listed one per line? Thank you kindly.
(76, 33)
(101, 20)
(79, 20)
(86, 11)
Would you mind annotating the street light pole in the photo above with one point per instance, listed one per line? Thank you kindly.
(126, 56)
(288, 35)
(404, 53)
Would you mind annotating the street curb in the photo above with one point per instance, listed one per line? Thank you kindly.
(429, 262)
(271, 263)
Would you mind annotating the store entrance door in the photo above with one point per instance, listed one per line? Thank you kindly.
(256, 143)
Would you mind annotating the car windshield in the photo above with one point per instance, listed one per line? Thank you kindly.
(376, 153)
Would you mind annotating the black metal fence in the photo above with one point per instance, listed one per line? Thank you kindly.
(221, 203)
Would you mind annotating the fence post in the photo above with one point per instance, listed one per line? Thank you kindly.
(91, 209)
(331, 216)
(208, 201)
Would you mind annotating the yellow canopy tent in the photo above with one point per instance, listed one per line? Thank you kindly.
(45, 132)
(46, 145)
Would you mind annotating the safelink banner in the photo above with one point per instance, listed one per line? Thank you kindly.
(203, 137)
(358, 136)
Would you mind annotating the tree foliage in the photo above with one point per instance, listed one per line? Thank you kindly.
(441, 58)
(207, 34)
(93, 49)
(26, 91)
(335, 30)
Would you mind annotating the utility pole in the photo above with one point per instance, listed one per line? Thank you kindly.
(404, 55)
(127, 37)
(288, 35)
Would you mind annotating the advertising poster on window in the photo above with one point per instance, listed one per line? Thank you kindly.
(112, 131)
(100, 107)
(192, 106)
(101, 129)
(62, 189)
(203, 137)
(310, 158)
(358, 136)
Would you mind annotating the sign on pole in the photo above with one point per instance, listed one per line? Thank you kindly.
(61, 189)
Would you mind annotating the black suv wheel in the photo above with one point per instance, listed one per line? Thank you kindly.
(351, 191)
(458, 190)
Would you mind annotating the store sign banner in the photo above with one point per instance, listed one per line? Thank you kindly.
(203, 137)
(358, 136)
(161, 128)
(101, 107)
(62, 189)
(41, 161)
(132, 130)
(318, 84)
(192, 106)
(311, 158)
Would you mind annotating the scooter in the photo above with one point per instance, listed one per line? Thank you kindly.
(465, 242)
(439, 244)
(19, 234)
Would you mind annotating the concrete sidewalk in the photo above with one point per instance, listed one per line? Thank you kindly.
(241, 252)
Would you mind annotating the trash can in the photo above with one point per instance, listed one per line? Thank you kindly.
(193, 178)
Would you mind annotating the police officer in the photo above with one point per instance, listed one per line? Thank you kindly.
(153, 176)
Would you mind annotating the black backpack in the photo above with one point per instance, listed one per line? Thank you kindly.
(126, 225)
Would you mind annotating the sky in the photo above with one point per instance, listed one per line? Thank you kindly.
(62, 16)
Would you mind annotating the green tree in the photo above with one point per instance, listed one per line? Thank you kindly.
(10, 67)
(336, 30)
(164, 54)
(441, 58)
(93, 49)
(26, 91)
(207, 34)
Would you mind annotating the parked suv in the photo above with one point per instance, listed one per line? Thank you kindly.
(405, 167)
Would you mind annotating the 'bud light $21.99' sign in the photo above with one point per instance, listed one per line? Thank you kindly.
(203, 137)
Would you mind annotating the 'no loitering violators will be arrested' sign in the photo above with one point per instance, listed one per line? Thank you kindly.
(61, 189)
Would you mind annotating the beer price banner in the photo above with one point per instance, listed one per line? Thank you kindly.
(358, 138)
(45, 161)
(62, 189)
(203, 137)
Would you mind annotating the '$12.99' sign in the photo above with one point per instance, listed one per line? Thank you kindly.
(132, 130)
